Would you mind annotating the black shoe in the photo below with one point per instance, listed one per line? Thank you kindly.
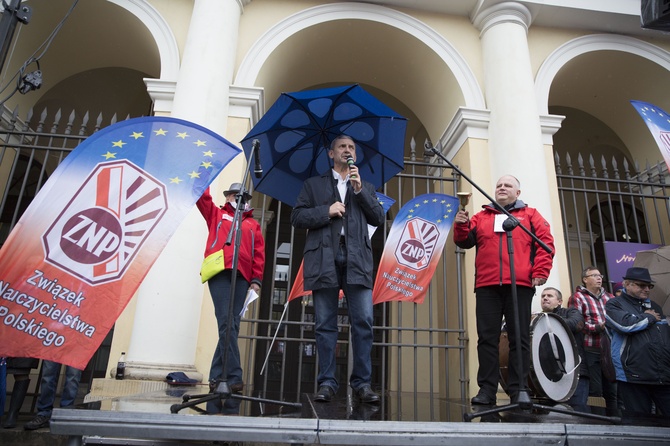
(325, 394)
(38, 422)
(366, 395)
(483, 399)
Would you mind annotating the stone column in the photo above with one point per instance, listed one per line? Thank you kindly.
(515, 132)
(165, 328)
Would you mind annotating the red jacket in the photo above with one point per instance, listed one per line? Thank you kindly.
(492, 259)
(251, 260)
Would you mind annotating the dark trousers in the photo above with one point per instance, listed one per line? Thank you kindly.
(638, 398)
(220, 289)
(598, 384)
(493, 303)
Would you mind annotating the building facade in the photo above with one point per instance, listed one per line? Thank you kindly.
(498, 86)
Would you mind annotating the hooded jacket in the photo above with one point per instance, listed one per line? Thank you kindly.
(592, 308)
(492, 258)
(251, 260)
(323, 233)
(640, 343)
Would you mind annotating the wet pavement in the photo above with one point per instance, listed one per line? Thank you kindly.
(398, 419)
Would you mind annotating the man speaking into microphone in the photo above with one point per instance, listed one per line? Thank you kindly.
(336, 209)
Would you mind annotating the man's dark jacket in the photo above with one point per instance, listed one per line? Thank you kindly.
(575, 322)
(640, 344)
(323, 235)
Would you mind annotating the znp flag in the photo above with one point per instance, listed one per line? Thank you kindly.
(81, 249)
(413, 248)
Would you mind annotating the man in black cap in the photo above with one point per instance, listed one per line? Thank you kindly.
(640, 346)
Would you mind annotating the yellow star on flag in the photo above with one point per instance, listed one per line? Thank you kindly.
(118, 143)
(109, 155)
(137, 135)
(182, 135)
(194, 174)
(160, 132)
(208, 153)
(206, 164)
(176, 180)
(200, 143)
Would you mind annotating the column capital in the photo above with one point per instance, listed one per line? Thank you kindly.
(506, 12)
(162, 94)
(246, 102)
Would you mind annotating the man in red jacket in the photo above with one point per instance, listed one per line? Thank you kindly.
(493, 286)
(251, 261)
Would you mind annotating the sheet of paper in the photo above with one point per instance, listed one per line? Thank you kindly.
(498, 225)
(251, 296)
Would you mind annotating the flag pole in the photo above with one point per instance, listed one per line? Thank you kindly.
(274, 337)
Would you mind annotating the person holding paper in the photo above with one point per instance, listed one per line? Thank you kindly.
(493, 285)
(251, 262)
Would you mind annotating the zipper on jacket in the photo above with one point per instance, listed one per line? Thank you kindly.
(216, 239)
(500, 258)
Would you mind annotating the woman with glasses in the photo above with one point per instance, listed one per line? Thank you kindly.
(590, 299)
(640, 346)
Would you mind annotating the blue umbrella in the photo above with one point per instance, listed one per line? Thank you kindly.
(296, 132)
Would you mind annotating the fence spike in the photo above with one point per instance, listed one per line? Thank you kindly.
(603, 163)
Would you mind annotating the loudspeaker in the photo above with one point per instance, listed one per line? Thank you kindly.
(655, 14)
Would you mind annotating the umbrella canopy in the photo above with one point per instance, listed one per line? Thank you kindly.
(296, 132)
(657, 261)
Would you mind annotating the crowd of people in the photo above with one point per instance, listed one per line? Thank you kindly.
(623, 339)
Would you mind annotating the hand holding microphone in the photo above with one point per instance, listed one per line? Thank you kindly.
(353, 174)
(350, 163)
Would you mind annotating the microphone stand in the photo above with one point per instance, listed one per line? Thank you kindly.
(523, 400)
(220, 389)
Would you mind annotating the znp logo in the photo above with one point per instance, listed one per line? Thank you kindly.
(103, 227)
(417, 243)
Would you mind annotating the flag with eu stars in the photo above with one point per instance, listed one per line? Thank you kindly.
(79, 252)
(658, 122)
(413, 248)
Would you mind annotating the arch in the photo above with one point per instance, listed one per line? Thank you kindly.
(264, 47)
(160, 30)
(586, 44)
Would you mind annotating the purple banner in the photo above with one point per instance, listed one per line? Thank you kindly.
(620, 256)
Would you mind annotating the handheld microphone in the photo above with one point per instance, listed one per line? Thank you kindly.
(256, 146)
(350, 162)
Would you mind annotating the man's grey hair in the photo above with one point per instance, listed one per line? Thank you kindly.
(338, 137)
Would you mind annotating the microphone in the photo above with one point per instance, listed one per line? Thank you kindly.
(350, 162)
(256, 146)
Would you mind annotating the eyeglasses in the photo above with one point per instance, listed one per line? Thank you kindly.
(598, 276)
(644, 285)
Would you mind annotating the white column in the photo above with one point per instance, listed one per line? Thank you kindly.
(165, 328)
(515, 132)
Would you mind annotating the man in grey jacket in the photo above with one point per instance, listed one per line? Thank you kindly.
(336, 209)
